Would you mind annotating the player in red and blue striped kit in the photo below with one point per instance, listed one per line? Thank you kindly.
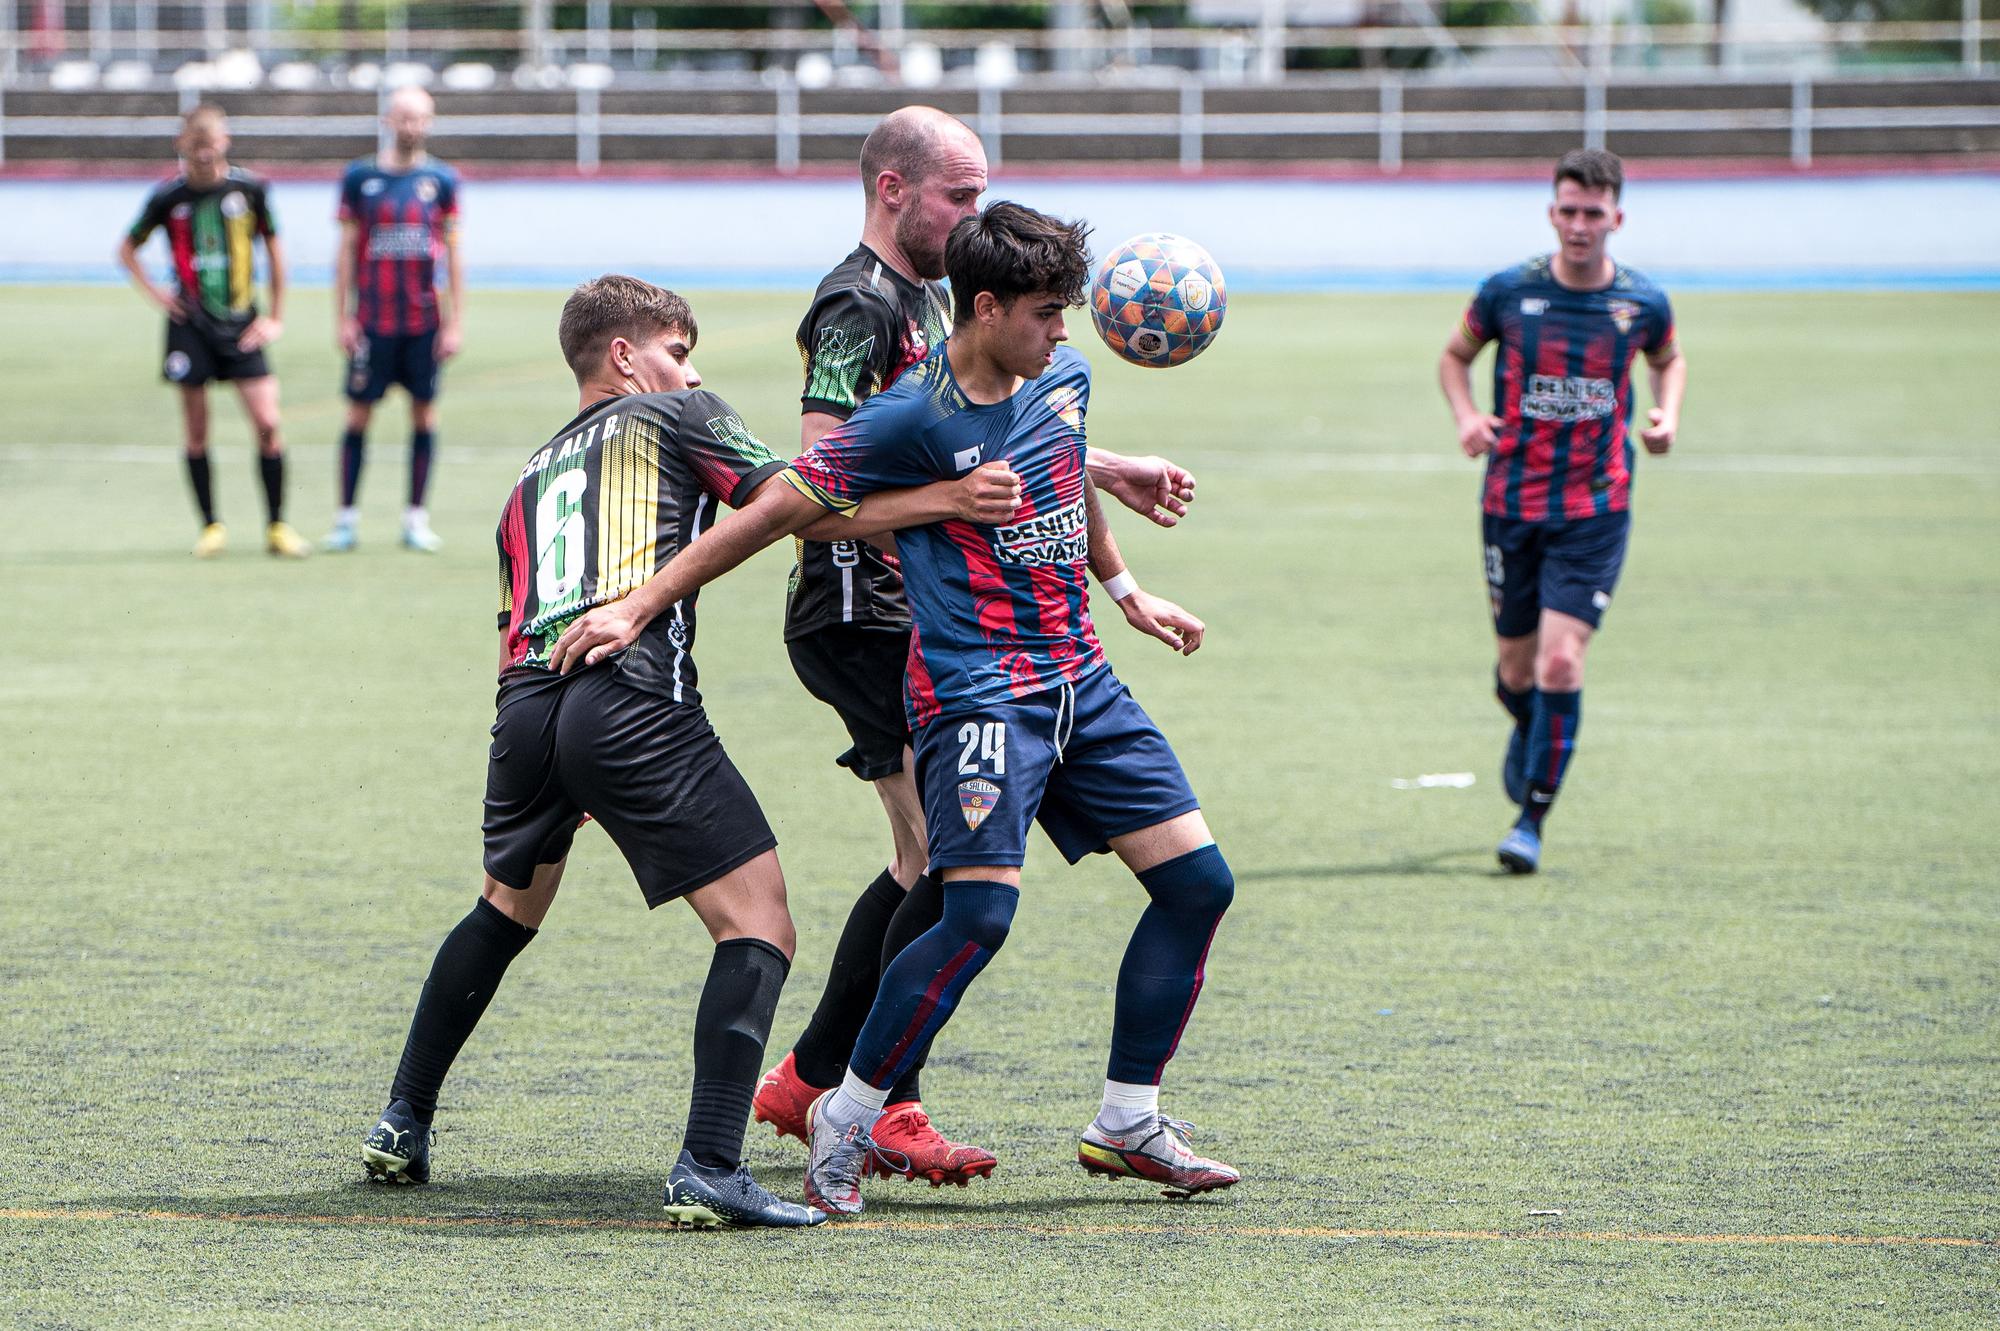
(1017, 714)
(1559, 452)
(398, 218)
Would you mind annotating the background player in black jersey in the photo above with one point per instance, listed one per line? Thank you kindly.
(633, 478)
(213, 215)
(847, 627)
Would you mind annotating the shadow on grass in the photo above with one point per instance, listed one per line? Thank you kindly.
(614, 1198)
(1476, 861)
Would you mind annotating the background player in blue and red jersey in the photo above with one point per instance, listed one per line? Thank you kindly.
(1558, 449)
(398, 217)
(1018, 716)
(214, 215)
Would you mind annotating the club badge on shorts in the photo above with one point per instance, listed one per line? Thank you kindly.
(976, 799)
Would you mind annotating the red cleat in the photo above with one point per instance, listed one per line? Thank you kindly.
(783, 1098)
(904, 1131)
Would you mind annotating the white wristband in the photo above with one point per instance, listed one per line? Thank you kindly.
(1120, 584)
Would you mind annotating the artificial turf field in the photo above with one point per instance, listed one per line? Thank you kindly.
(1729, 1060)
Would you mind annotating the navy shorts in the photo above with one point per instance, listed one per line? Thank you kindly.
(386, 359)
(1085, 760)
(1569, 567)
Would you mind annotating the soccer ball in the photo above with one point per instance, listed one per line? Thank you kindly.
(1158, 300)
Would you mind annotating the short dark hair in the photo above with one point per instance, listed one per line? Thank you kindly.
(904, 144)
(617, 306)
(1011, 250)
(1592, 168)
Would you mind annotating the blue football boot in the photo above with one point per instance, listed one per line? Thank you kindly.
(1514, 767)
(398, 1148)
(1521, 849)
(702, 1198)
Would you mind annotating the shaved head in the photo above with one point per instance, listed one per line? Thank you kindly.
(915, 143)
(410, 97)
(408, 117)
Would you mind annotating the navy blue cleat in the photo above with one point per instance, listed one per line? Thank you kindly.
(702, 1198)
(398, 1149)
(1521, 849)
(1514, 767)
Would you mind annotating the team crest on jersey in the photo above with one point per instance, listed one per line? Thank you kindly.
(181, 212)
(976, 799)
(234, 205)
(1534, 305)
(1067, 403)
(919, 347)
(1622, 314)
(427, 189)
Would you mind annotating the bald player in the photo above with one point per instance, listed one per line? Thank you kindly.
(398, 218)
(883, 309)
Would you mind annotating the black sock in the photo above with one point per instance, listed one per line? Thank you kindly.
(352, 451)
(422, 444)
(730, 1028)
(923, 906)
(273, 471)
(462, 980)
(204, 498)
(1520, 706)
(821, 1053)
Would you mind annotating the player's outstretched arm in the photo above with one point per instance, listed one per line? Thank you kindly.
(1477, 431)
(775, 511)
(1153, 616)
(1150, 485)
(1667, 371)
(988, 496)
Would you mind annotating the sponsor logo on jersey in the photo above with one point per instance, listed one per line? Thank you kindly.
(1533, 305)
(965, 459)
(373, 185)
(399, 240)
(1061, 537)
(1623, 312)
(1552, 397)
(181, 212)
(976, 799)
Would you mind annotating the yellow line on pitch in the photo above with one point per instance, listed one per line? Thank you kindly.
(1002, 1227)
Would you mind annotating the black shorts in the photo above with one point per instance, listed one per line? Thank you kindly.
(386, 359)
(858, 672)
(649, 769)
(196, 355)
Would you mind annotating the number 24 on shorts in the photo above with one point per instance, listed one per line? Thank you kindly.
(984, 744)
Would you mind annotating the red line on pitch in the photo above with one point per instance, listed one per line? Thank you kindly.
(937, 1226)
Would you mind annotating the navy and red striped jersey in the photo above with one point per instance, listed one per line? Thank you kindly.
(1001, 612)
(1562, 387)
(401, 219)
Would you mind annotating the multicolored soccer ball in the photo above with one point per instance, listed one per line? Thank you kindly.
(1158, 300)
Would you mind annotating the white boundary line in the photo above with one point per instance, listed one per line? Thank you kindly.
(1276, 459)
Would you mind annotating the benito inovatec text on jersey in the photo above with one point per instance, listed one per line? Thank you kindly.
(603, 506)
(1001, 612)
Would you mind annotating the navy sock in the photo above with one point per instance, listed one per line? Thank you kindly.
(422, 444)
(1161, 975)
(272, 469)
(1551, 742)
(1520, 706)
(923, 906)
(204, 496)
(922, 986)
(352, 446)
(730, 1028)
(468, 968)
(821, 1053)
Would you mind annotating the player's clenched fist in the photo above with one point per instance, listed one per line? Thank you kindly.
(1659, 435)
(989, 495)
(1478, 434)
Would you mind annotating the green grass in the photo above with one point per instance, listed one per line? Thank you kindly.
(1754, 992)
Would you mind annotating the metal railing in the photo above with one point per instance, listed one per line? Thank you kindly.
(775, 135)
